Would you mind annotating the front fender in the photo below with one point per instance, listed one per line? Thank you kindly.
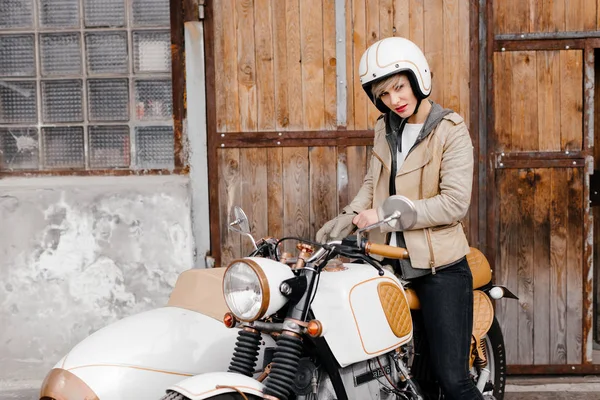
(212, 384)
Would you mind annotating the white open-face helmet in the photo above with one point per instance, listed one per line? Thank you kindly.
(390, 56)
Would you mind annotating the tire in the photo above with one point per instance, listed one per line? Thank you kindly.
(496, 354)
(224, 396)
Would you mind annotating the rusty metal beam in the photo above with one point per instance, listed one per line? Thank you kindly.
(477, 133)
(553, 369)
(211, 132)
(548, 36)
(295, 138)
(178, 79)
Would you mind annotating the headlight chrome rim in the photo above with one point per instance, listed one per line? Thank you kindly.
(264, 286)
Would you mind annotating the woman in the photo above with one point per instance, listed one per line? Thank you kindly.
(429, 150)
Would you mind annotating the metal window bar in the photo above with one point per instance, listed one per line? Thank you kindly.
(134, 25)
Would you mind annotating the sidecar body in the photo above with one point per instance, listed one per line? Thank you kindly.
(140, 356)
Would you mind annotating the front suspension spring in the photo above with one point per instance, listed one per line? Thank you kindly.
(280, 381)
(246, 352)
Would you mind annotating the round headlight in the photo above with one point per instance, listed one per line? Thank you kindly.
(246, 290)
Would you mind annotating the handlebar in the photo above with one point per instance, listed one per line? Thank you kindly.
(384, 250)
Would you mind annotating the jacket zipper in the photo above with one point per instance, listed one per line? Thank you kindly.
(431, 256)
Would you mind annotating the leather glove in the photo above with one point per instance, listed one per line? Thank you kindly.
(338, 228)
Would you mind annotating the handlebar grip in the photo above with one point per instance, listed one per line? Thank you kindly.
(386, 251)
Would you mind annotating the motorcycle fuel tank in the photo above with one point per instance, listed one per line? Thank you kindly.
(363, 314)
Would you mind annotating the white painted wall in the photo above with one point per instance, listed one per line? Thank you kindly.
(77, 253)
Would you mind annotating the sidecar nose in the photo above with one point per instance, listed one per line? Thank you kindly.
(61, 384)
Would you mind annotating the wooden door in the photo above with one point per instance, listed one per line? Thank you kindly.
(540, 213)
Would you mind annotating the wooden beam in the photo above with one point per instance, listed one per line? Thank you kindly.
(553, 369)
(477, 133)
(295, 138)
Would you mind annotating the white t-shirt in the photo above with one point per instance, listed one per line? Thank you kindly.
(409, 137)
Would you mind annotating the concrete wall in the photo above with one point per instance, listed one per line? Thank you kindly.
(78, 253)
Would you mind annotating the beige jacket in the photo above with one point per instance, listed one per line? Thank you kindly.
(438, 176)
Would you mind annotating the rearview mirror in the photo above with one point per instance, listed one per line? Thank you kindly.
(398, 211)
(240, 224)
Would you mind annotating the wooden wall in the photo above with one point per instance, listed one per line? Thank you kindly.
(520, 16)
(538, 109)
(275, 72)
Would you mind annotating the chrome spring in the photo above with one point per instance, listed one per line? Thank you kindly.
(280, 381)
(245, 353)
(481, 362)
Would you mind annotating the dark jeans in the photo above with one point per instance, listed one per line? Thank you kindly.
(447, 310)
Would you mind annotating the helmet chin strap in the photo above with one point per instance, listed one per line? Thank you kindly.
(416, 108)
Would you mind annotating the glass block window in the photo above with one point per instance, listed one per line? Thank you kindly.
(109, 146)
(19, 148)
(18, 102)
(85, 85)
(16, 14)
(106, 53)
(152, 51)
(58, 13)
(108, 99)
(150, 13)
(63, 147)
(104, 13)
(153, 100)
(154, 144)
(60, 54)
(62, 101)
(17, 55)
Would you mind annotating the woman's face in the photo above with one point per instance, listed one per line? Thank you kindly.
(400, 98)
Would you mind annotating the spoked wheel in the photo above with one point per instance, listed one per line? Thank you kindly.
(496, 364)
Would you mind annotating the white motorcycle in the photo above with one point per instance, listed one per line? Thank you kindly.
(342, 330)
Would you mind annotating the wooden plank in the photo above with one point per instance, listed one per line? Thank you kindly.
(372, 29)
(549, 110)
(351, 73)
(323, 179)
(275, 191)
(386, 18)
(537, 18)
(253, 169)
(227, 68)
(359, 29)
(525, 286)
(229, 196)
(246, 65)
(294, 65)
(589, 14)
(524, 128)
(296, 197)
(574, 266)
(558, 250)
(265, 85)
(465, 66)
(329, 65)
(451, 57)
(506, 260)
(357, 169)
(557, 15)
(571, 99)
(417, 22)
(518, 16)
(311, 39)
(433, 45)
(502, 101)
(541, 266)
(219, 42)
(280, 58)
(401, 18)
(500, 17)
(574, 18)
